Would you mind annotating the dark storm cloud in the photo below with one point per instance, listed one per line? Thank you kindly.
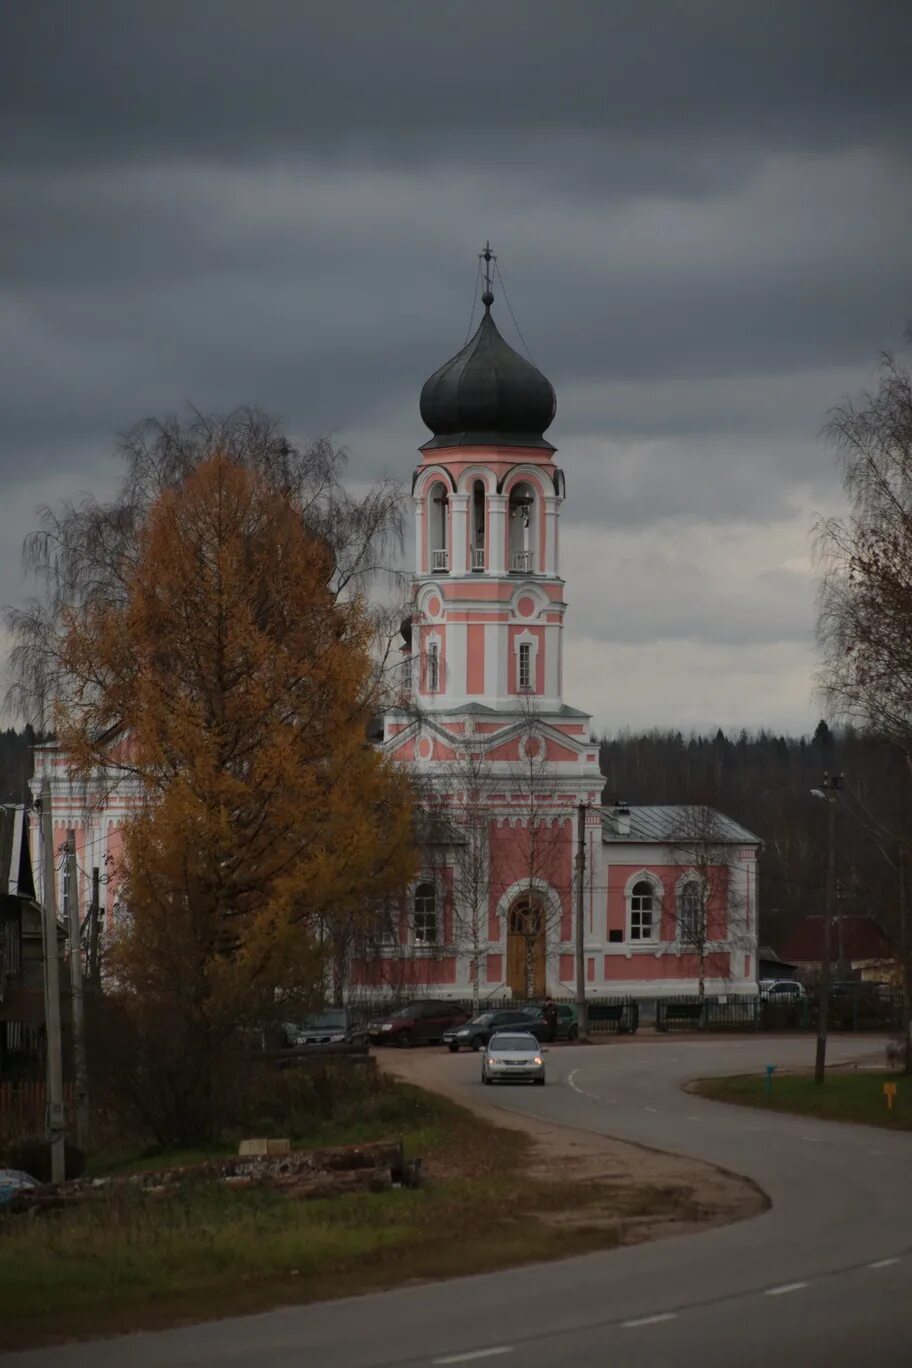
(702, 212)
(403, 78)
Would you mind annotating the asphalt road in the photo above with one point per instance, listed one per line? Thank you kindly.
(823, 1277)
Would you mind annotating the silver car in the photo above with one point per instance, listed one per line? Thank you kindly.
(513, 1056)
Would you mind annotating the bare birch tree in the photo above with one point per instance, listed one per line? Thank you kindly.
(864, 624)
(704, 899)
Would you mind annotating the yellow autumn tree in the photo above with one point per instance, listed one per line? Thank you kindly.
(234, 686)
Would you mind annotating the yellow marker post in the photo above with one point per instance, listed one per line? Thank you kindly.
(889, 1094)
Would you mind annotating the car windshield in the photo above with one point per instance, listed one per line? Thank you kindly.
(511, 1042)
(407, 1011)
(481, 1020)
(324, 1021)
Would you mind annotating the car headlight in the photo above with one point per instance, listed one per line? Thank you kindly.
(387, 1026)
(538, 1060)
(462, 1032)
(336, 1039)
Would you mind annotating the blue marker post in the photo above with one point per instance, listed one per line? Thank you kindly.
(770, 1070)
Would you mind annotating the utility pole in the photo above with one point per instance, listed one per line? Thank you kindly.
(55, 1117)
(827, 792)
(582, 1010)
(906, 967)
(80, 1065)
(94, 972)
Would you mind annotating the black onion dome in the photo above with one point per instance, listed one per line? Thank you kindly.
(488, 395)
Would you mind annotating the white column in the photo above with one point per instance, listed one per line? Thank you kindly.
(495, 680)
(455, 683)
(552, 508)
(420, 567)
(497, 514)
(459, 505)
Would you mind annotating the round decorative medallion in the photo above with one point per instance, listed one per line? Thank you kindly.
(533, 748)
(433, 607)
(526, 606)
(424, 748)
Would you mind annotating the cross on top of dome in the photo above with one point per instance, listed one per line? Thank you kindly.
(487, 394)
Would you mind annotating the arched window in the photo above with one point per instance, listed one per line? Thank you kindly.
(478, 526)
(643, 912)
(525, 919)
(438, 527)
(425, 914)
(433, 667)
(690, 912)
(522, 528)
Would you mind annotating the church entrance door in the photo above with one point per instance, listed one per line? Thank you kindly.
(525, 936)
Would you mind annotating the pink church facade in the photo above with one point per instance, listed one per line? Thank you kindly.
(483, 705)
(508, 767)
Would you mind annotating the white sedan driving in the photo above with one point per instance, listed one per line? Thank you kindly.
(513, 1057)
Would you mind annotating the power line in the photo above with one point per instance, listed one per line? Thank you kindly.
(474, 302)
(500, 278)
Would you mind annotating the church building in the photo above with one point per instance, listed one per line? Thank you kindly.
(508, 768)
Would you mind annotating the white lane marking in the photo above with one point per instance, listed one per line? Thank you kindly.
(693, 1118)
(811, 1140)
(649, 1320)
(652, 1109)
(594, 1097)
(878, 1154)
(883, 1263)
(786, 1287)
(476, 1354)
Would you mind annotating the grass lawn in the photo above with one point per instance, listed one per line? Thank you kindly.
(138, 1260)
(854, 1096)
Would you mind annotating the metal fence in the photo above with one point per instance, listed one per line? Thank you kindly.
(606, 1014)
(852, 1011)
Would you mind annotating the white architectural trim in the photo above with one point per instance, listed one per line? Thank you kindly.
(531, 640)
(547, 892)
(476, 472)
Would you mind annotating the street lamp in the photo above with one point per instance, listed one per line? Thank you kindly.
(827, 793)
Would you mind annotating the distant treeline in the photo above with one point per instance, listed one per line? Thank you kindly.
(764, 782)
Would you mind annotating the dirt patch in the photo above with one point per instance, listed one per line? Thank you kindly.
(664, 1194)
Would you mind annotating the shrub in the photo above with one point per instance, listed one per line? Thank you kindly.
(33, 1156)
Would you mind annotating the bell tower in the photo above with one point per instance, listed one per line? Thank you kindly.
(488, 602)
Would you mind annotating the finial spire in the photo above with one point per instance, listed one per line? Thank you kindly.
(487, 256)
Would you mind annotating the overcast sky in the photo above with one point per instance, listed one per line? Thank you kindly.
(702, 212)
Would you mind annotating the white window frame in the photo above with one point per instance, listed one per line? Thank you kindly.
(655, 927)
(530, 640)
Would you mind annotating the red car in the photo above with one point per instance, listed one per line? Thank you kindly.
(417, 1023)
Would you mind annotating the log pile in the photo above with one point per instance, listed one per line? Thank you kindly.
(304, 1174)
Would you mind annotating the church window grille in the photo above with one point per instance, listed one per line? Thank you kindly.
(433, 667)
(525, 667)
(425, 915)
(642, 912)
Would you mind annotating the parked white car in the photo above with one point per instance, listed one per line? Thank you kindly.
(781, 990)
(513, 1057)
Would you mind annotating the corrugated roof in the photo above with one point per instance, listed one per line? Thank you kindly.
(676, 824)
